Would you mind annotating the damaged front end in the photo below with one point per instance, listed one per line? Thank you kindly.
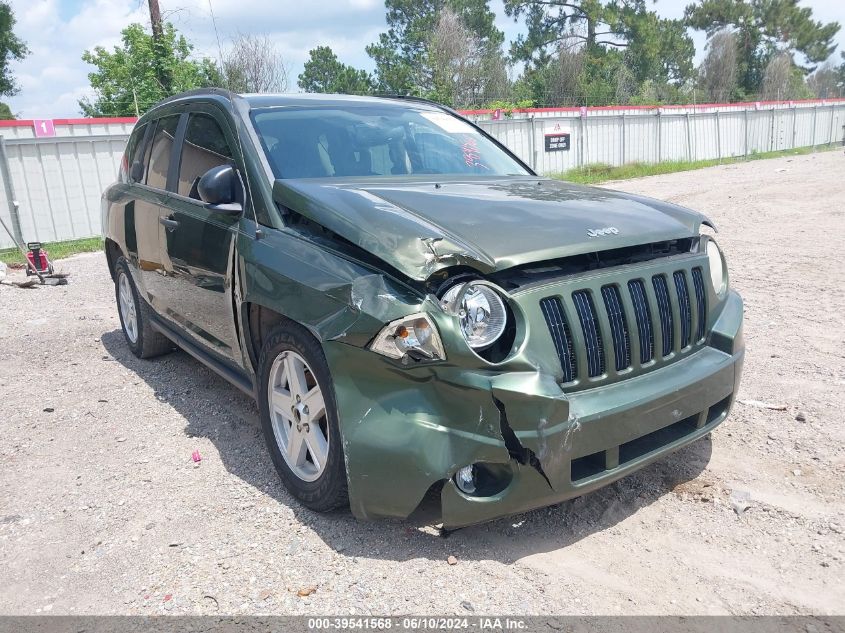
(502, 434)
(609, 353)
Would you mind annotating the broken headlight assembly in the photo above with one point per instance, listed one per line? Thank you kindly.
(481, 310)
(414, 337)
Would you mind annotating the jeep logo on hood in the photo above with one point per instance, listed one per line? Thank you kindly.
(608, 230)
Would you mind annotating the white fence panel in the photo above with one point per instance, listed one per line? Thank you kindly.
(616, 136)
(57, 180)
(640, 139)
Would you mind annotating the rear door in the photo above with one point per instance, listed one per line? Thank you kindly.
(149, 173)
(198, 243)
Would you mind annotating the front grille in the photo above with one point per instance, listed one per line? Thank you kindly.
(684, 306)
(643, 317)
(700, 303)
(618, 327)
(561, 336)
(632, 325)
(586, 311)
(664, 308)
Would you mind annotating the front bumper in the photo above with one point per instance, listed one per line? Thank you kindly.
(406, 430)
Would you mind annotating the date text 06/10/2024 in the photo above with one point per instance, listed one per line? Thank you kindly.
(418, 624)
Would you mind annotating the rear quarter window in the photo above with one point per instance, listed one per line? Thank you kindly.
(130, 156)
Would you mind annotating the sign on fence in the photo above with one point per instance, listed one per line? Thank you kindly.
(557, 142)
(44, 127)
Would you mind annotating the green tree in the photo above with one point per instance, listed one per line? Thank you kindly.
(657, 48)
(323, 72)
(6, 112)
(765, 29)
(11, 49)
(654, 48)
(128, 79)
(401, 54)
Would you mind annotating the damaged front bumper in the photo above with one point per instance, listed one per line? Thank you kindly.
(408, 430)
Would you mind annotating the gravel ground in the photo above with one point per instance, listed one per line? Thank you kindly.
(102, 510)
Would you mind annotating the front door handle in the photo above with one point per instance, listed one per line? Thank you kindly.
(169, 223)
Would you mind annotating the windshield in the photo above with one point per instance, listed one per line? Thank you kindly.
(373, 140)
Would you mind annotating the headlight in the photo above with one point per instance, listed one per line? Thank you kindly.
(415, 337)
(481, 311)
(718, 270)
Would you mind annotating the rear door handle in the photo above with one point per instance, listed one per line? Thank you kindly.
(169, 224)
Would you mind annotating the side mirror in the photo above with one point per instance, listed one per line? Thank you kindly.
(218, 189)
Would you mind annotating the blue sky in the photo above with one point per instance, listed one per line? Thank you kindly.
(54, 77)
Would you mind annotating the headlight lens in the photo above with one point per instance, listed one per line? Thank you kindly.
(414, 337)
(718, 270)
(481, 311)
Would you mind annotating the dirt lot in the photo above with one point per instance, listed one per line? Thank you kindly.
(102, 510)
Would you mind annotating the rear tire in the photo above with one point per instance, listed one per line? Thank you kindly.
(301, 425)
(135, 320)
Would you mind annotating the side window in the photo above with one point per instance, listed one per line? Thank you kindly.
(205, 147)
(134, 142)
(130, 155)
(158, 161)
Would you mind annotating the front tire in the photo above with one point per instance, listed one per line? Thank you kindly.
(299, 418)
(134, 313)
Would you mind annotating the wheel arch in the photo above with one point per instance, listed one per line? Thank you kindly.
(113, 252)
(260, 321)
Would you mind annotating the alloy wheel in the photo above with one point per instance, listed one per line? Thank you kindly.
(298, 416)
(126, 305)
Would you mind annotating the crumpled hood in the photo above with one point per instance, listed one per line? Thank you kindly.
(421, 226)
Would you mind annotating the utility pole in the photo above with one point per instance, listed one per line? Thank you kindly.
(155, 19)
(161, 73)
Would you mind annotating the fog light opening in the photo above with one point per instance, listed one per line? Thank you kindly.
(483, 479)
(465, 479)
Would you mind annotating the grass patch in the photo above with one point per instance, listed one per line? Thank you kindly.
(56, 250)
(600, 172)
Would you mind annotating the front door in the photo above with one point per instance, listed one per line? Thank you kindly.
(198, 243)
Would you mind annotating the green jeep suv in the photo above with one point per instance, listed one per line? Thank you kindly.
(417, 313)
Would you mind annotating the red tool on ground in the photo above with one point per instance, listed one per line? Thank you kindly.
(39, 263)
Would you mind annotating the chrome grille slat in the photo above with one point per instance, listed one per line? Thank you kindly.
(701, 303)
(586, 311)
(636, 287)
(667, 325)
(618, 327)
(684, 306)
(561, 336)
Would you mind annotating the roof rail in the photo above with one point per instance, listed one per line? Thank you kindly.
(393, 95)
(198, 92)
(420, 100)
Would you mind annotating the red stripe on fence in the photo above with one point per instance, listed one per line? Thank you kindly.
(693, 106)
(92, 121)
